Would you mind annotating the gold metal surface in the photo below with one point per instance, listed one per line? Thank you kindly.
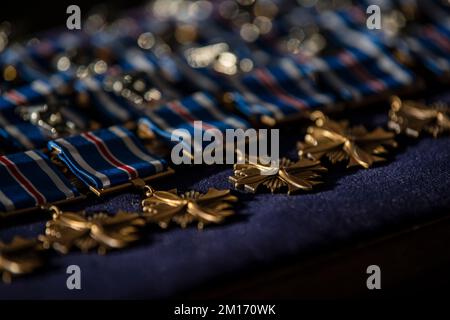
(339, 142)
(164, 207)
(413, 118)
(293, 175)
(75, 229)
(18, 257)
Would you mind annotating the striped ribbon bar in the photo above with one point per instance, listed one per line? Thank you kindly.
(428, 45)
(157, 70)
(34, 92)
(19, 134)
(329, 75)
(358, 67)
(369, 75)
(183, 114)
(34, 64)
(360, 46)
(286, 90)
(24, 70)
(107, 158)
(278, 92)
(29, 127)
(29, 179)
(42, 55)
(112, 108)
(431, 47)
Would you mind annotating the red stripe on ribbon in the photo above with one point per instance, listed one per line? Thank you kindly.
(22, 180)
(181, 111)
(436, 36)
(359, 70)
(16, 97)
(271, 84)
(132, 172)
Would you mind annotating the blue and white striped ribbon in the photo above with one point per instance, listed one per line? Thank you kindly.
(112, 108)
(286, 90)
(17, 56)
(329, 76)
(431, 47)
(428, 45)
(34, 92)
(365, 46)
(34, 63)
(108, 157)
(183, 114)
(370, 74)
(156, 69)
(29, 179)
(20, 134)
(280, 91)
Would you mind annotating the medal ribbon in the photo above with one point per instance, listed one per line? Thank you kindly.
(19, 134)
(106, 158)
(182, 114)
(29, 179)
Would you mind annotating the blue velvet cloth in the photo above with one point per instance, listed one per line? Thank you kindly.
(413, 184)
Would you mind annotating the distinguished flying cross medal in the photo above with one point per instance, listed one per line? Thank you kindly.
(70, 229)
(18, 257)
(339, 142)
(293, 175)
(166, 206)
(412, 118)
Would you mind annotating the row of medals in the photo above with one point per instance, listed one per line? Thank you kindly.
(326, 142)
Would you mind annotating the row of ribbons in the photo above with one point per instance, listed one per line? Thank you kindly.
(101, 159)
(283, 89)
